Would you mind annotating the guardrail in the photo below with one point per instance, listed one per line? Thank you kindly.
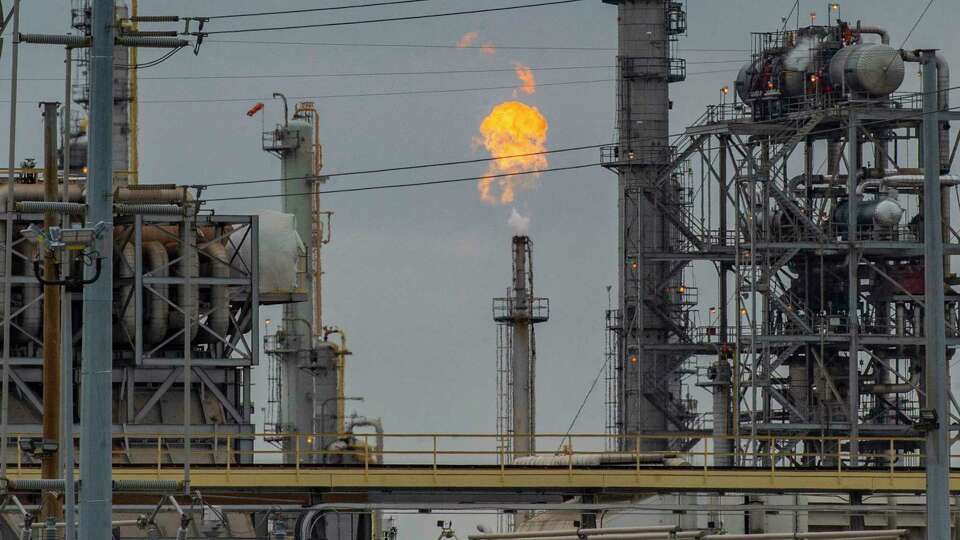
(163, 451)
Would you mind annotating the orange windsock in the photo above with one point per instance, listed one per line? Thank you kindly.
(255, 109)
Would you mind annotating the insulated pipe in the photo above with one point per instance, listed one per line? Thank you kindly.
(157, 321)
(908, 180)
(219, 318)
(827, 535)
(876, 30)
(151, 195)
(31, 292)
(895, 388)
(575, 533)
(189, 265)
(125, 260)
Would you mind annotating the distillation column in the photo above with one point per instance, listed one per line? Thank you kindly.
(643, 128)
(309, 366)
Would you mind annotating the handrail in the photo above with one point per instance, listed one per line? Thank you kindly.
(773, 452)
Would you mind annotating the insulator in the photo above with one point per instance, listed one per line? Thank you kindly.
(148, 41)
(155, 18)
(36, 484)
(154, 209)
(37, 207)
(152, 33)
(158, 486)
(55, 39)
(150, 187)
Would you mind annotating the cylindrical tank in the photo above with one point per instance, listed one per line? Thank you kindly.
(867, 68)
(884, 211)
(744, 81)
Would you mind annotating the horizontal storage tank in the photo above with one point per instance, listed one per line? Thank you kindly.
(868, 68)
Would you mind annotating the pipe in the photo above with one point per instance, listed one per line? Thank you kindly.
(218, 319)
(906, 180)
(827, 535)
(157, 321)
(125, 260)
(363, 421)
(31, 292)
(877, 31)
(152, 195)
(663, 530)
(895, 388)
(608, 458)
(943, 100)
(189, 266)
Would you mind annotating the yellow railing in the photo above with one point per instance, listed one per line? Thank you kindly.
(575, 451)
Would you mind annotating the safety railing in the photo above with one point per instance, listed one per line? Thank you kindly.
(164, 452)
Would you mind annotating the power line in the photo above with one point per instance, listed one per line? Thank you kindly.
(312, 10)
(366, 74)
(917, 23)
(583, 404)
(404, 185)
(410, 167)
(374, 94)
(387, 19)
(441, 46)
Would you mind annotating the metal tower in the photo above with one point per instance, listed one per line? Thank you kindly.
(651, 323)
(516, 316)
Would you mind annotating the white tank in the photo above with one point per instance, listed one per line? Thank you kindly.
(867, 68)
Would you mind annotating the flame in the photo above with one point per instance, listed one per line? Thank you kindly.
(529, 84)
(467, 39)
(488, 49)
(512, 129)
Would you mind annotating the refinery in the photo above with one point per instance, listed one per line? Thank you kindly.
(540, 269)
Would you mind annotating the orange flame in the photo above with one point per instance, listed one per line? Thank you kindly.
(467, 39)
(529, 84)
(488, 49)
(512, 129)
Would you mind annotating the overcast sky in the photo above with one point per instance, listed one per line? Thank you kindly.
(411, 273)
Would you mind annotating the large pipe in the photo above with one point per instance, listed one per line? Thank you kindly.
(157, 264)
(943, 101)
(217, 266)
(895, 388)
(876, 30)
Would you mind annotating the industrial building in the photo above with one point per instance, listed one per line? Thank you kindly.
(811, 400)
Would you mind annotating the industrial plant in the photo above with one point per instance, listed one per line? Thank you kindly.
(777, 344)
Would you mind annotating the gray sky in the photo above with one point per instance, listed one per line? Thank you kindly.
(410, 273)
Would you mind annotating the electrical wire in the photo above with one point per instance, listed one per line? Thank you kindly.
(312, 10)
(404, 185)
(372, 94)
(410, 167)
(387, 19)
(366, 74)
(583, 404)
(441, 46)
(916, 23)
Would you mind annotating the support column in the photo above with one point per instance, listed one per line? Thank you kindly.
(936, 368)
(50, 464)
(96, 405)
(853, 298)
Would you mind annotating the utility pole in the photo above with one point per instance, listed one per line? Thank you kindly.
(96, 405)
(938, 436)
(50, 461)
